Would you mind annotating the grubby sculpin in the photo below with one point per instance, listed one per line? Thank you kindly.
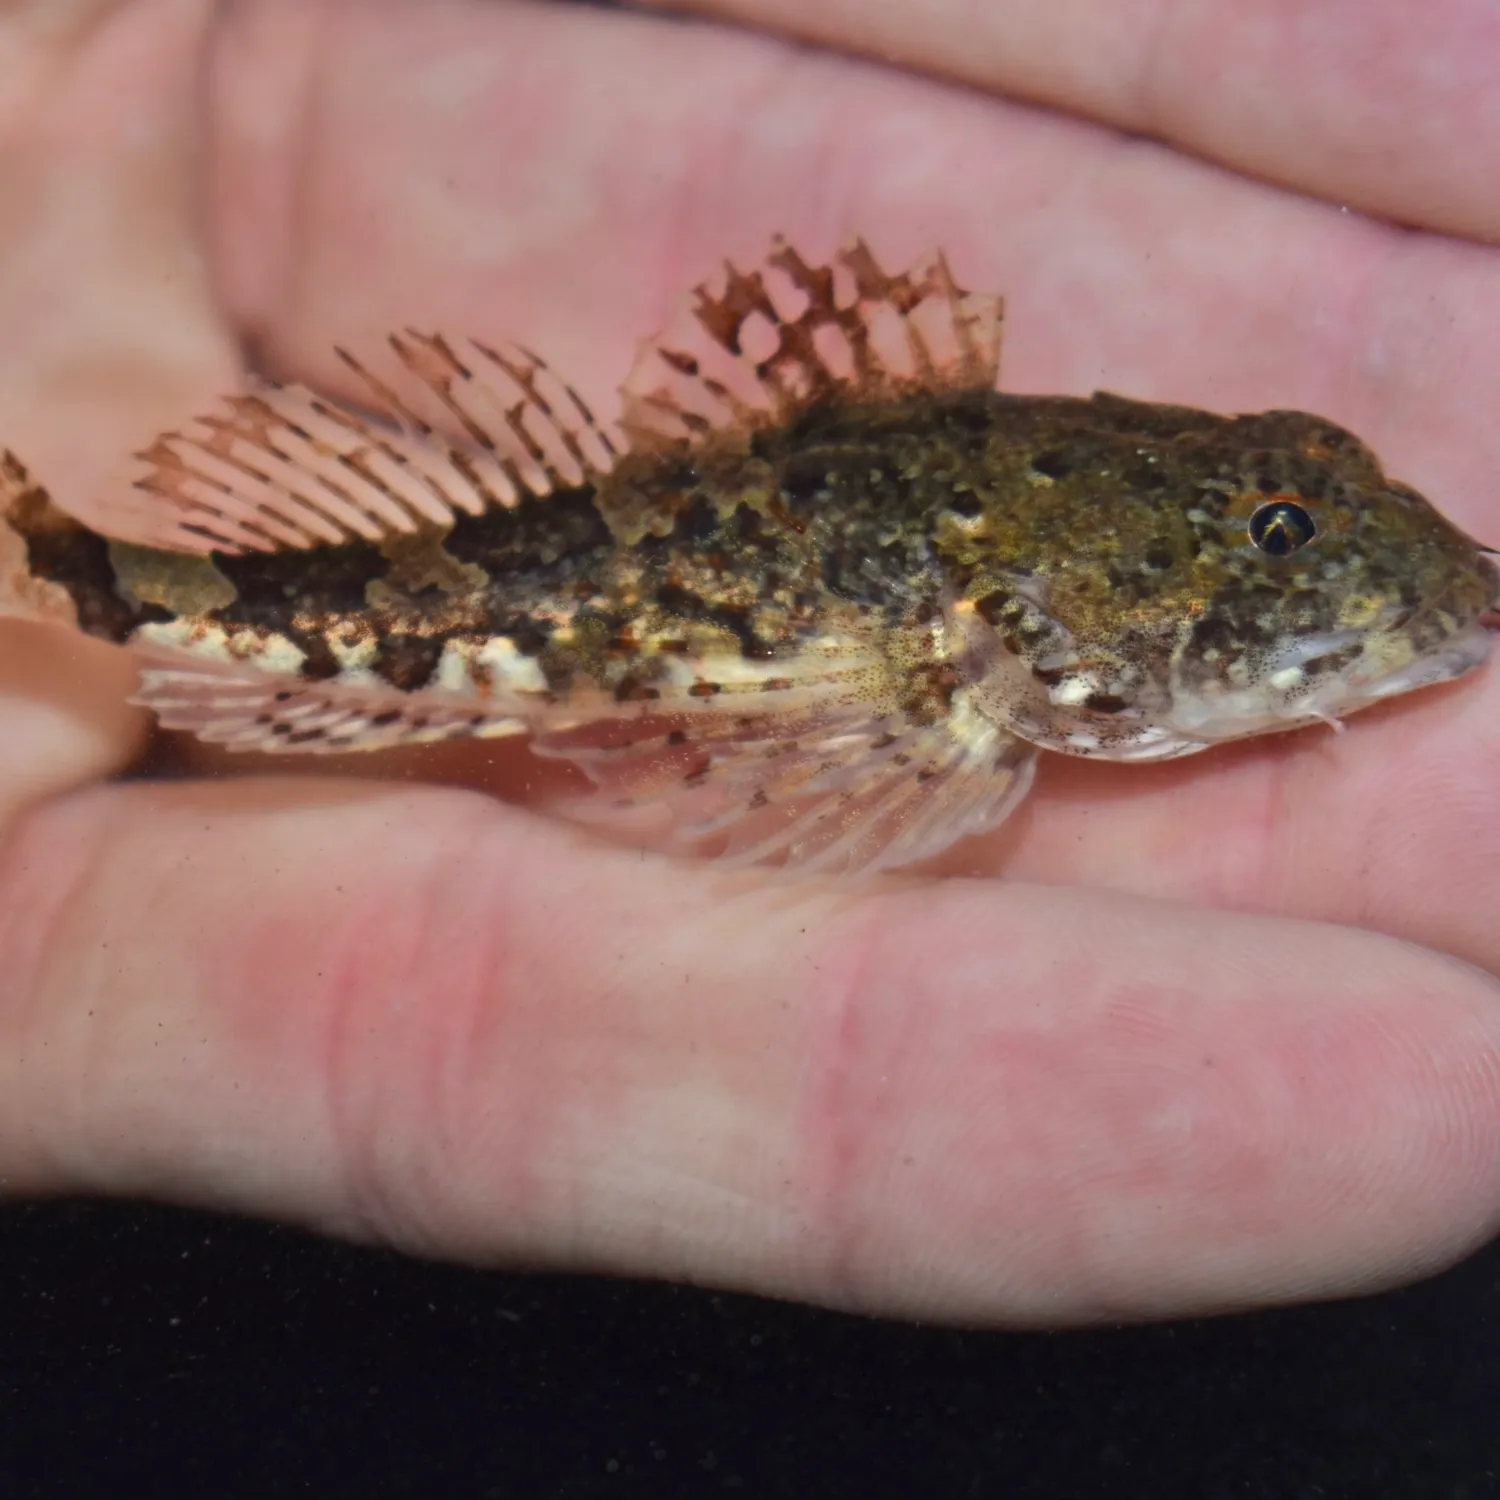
(824, 592)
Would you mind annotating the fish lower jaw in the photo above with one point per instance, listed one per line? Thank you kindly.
(1141, 743)
(1237, 716)
(1275, 704)
(1458, 655)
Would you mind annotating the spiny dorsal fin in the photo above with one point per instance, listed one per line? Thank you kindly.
(774, 340)
(470, 427)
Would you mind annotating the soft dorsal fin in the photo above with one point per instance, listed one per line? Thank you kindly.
(467, 427)
(771, 341)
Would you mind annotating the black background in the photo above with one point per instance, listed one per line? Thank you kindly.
(148, 1352)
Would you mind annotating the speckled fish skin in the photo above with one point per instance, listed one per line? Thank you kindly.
(1103, 543)
(865, 600)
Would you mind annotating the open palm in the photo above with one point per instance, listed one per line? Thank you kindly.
(420, 1014)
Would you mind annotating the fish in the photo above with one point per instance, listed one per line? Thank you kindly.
(822, 592)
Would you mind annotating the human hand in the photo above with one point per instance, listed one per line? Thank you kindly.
(1155, 1070)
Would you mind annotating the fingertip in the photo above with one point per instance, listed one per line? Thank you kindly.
(1117, 1109)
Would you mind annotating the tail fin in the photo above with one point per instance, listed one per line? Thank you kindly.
(28, 516)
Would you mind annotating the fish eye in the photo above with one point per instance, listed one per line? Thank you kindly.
(1281, 527)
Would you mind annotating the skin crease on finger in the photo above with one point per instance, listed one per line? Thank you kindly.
(432, 1024)
(428, 1018)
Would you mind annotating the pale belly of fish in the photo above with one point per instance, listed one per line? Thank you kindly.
(824, 593)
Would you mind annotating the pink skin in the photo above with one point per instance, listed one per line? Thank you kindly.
(1179, 1061)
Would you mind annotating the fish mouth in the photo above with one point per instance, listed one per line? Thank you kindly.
(1489, 616)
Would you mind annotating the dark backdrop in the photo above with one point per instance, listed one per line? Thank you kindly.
(149, 1352)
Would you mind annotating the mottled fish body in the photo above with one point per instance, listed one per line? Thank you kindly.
(825, 592)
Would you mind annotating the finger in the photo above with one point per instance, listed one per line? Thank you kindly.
(436, 1023)
(1384, 106)
(106, 299)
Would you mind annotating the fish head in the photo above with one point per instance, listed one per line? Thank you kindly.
(1236, 593)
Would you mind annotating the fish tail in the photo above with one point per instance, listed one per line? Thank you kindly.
(31, 524)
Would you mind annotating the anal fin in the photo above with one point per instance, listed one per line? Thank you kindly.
(242, 708)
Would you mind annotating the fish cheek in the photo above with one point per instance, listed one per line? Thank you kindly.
(1089, 691)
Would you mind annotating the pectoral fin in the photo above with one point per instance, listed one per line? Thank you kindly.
(838, 792)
